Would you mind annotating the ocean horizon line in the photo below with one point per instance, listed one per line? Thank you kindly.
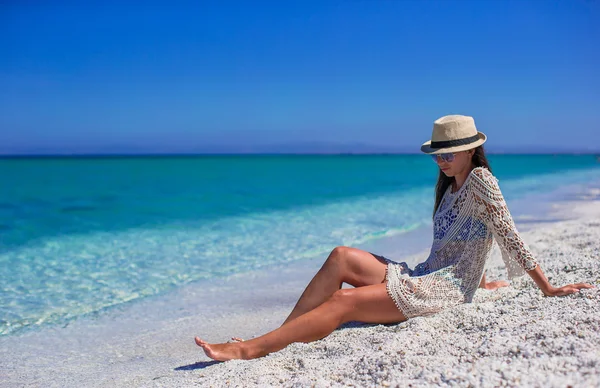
(116, 155)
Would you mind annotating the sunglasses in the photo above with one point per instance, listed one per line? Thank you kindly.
(447, 157)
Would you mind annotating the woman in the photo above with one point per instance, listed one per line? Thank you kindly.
(469, 213)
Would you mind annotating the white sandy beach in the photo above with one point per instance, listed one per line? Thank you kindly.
(510, 337)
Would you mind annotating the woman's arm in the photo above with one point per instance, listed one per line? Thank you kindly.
(540, 279)
(487, 194)
(491, 207)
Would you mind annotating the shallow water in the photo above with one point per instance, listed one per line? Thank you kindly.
(81, 235)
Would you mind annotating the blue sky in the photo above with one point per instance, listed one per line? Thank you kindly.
(253, 76)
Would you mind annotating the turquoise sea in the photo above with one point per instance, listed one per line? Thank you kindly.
(81, 234)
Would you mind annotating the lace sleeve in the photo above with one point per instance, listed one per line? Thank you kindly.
(490, 205)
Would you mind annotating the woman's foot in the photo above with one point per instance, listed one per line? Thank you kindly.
(222, 352)
(495, 285)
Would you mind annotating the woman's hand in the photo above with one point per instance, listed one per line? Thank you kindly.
(540, 279)
(566, 290)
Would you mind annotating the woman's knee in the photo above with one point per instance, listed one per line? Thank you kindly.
(342, 302)
(356, 267)
(340, 251)
(339, 255)
(343, 297)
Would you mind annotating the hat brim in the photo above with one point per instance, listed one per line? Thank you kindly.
(426, 147)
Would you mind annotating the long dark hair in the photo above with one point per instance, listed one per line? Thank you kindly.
(478, 159)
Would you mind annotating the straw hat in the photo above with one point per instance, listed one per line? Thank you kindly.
(453, 133)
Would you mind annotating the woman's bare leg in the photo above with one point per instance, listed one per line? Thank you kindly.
(344, 265)
(370, 304)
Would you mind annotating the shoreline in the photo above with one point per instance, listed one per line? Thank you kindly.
(135, 345)
(75, 288)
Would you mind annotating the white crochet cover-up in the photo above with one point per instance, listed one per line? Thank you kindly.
(464, 228)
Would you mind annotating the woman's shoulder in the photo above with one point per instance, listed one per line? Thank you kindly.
(483, 176)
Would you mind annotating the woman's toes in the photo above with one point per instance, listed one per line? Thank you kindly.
(199, 342)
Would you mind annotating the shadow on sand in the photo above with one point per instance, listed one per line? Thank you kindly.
(197, 365)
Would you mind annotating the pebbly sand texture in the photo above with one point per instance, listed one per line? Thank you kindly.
(510, 337)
